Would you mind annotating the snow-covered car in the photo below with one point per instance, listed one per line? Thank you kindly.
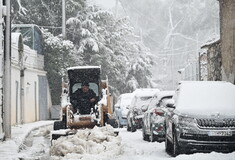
(134, 116)
(201, 117)
(154, 117)
(122, 107)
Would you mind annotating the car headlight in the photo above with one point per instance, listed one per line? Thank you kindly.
(186, 120)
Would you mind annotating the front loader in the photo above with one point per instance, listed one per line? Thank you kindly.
(100, 115)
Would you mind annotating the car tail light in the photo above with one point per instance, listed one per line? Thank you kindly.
(159, 112)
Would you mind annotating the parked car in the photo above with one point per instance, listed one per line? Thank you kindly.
(201, 117)
(154, 117)
(122, 107)
(135, 115)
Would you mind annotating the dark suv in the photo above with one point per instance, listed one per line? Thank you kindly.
(201, 117)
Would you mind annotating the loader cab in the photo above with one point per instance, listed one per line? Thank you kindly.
(90, 74)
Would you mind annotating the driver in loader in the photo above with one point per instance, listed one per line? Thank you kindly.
(86, 98)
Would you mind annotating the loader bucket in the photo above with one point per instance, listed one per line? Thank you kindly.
(82, 122)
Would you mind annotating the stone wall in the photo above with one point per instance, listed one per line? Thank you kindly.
(214, 61)
(227, 34)
(203, 62)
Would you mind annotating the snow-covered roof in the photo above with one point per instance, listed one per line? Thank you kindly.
(211, 41)
(206, 97)
(83, 67)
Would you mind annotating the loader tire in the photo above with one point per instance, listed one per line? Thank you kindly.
(113, 123)
(59, 125)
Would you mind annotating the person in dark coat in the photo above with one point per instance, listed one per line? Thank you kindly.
(86, 98)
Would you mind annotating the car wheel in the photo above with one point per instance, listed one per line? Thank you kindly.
(168, 145)
(175, 150)
(128, 127)
(118, 122)
(145, 136)
(133, 128)
(152, 136)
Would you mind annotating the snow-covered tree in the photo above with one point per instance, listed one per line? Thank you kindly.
(46, 13)
(100, 39)
(58, 56)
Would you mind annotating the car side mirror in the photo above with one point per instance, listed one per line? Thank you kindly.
(170, 103)
(144, 108)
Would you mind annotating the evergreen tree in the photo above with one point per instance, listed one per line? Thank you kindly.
(95, 38)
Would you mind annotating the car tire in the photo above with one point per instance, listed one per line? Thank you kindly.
(128, 127)
(118, 122)
(145, 136)
(175, 147)
(152, 137)
(133, 128)
(168, 146)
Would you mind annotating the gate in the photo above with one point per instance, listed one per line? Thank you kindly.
(43, 98)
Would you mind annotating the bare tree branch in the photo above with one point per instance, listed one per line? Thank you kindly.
(22, 11)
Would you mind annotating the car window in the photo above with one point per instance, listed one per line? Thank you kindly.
(118, 101)
(125, 101)
(153, 103)
(164, 100)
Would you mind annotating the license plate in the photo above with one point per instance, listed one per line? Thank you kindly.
(220, 133)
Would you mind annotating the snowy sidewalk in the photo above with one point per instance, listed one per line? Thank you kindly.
(10, 147)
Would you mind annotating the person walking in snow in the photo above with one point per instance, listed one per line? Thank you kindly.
(86, 98)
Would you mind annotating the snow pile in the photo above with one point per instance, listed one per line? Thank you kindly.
(96, 143)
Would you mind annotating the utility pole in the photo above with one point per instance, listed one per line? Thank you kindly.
(2, 14)
(7, 71)
(172, 62)
(199, 66)
(63, 19)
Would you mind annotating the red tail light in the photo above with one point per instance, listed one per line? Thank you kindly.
(159, 112)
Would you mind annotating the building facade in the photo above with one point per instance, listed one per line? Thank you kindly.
(30, 95)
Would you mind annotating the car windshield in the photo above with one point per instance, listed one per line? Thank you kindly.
(142, 101)
(153, 103)
(126, 101)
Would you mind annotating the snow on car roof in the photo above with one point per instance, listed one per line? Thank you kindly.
(83, 67)
(162, 94)
(206, 97)
(126, 98)
(145, 92)
(127, 95)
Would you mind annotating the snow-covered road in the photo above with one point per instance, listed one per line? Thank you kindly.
(100, 144)
(135, 148)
